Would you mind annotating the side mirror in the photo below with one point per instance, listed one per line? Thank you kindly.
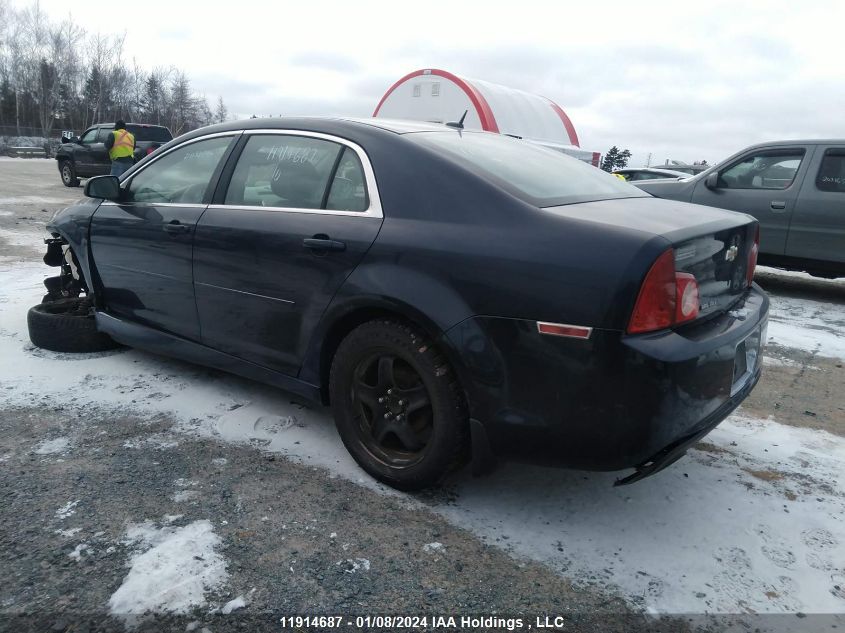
(107, 187)
(712, 180)
(65, 139)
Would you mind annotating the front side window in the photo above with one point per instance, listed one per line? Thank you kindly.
(774, 169)
(295, 172)
(831, 176)
(181, 176)
(538, 175)
(104, 134)
(89, 137)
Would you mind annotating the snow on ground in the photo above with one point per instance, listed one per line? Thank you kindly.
(52, 447)
(809, 325)
(172, 571)
(751, 521)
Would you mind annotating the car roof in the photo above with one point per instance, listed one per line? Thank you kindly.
(323, 124)
(130, 123)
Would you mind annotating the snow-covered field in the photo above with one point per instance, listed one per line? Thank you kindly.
(752, 521)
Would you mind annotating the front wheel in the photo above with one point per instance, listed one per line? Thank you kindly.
(68, 173)
(397, 405)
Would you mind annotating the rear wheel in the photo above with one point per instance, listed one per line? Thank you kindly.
(68, 173)
(67, 325)
(397, 405)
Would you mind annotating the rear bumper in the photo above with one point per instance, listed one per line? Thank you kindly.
(609, 402)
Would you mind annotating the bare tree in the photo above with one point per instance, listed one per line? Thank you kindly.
(221, 113)
(55, 74)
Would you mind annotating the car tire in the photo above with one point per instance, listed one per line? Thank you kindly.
(68, 174)
(67, 325)
(398, 406)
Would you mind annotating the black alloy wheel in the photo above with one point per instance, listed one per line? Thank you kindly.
(393, 409)
(397, 405)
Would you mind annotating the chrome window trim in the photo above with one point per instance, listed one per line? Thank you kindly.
(374, 209)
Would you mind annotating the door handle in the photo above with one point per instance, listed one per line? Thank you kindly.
(175, 227)
(778, 205)
(323, 244)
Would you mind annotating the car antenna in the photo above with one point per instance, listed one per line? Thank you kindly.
(458, 124)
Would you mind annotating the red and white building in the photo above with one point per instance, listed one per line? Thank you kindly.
(439, 96)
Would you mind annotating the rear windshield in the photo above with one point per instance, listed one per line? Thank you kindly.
(538, 175)
(154, 133)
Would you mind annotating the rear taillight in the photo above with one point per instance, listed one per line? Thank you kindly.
(752, 257)
(666, 297)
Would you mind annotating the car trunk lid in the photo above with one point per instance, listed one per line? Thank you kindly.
(711, 244)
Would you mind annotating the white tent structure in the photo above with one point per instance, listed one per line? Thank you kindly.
(439, 96)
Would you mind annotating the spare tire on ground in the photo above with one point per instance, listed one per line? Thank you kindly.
(67, 325)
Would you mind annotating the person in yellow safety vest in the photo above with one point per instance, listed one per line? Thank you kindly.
(121, 146)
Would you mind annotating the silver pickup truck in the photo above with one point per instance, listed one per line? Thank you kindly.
(796, 189)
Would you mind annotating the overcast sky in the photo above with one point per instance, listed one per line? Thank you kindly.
(682, 80)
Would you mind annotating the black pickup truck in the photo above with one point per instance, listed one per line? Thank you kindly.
(86, 155)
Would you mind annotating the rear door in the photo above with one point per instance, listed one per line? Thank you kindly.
(142, 246)
(818, 223)
(763, 183)
(294, 214)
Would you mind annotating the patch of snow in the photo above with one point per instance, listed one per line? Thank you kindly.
(185, 483)
(76, 554)
(68, 533)
(232, 605)
(159, 441)
(352, 565)
(15, 200)
(181, 496)
(219, 461)
(172, 572)
(430, 548)
(812, 326)
(51, 447)
(67, 509)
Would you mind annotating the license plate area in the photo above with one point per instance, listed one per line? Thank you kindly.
(746, 359)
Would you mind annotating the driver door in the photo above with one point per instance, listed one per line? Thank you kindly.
(143, 244)
(83, 153)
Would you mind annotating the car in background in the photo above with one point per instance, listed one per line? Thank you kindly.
(85, 156)
(453, 295)
(636, 174)
(795, 189)
(689, 170)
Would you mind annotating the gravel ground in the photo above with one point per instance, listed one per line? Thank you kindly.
(80, 505)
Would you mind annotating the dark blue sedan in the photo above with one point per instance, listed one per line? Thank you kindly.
(454, 296)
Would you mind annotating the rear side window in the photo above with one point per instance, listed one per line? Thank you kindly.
(277, 170)
(152, 133)
(535, 174)
(831, 176)
(181, 176)
(348, 191)
(772, 169)
(104, 134)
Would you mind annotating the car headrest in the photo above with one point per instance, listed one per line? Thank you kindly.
(298, 183)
